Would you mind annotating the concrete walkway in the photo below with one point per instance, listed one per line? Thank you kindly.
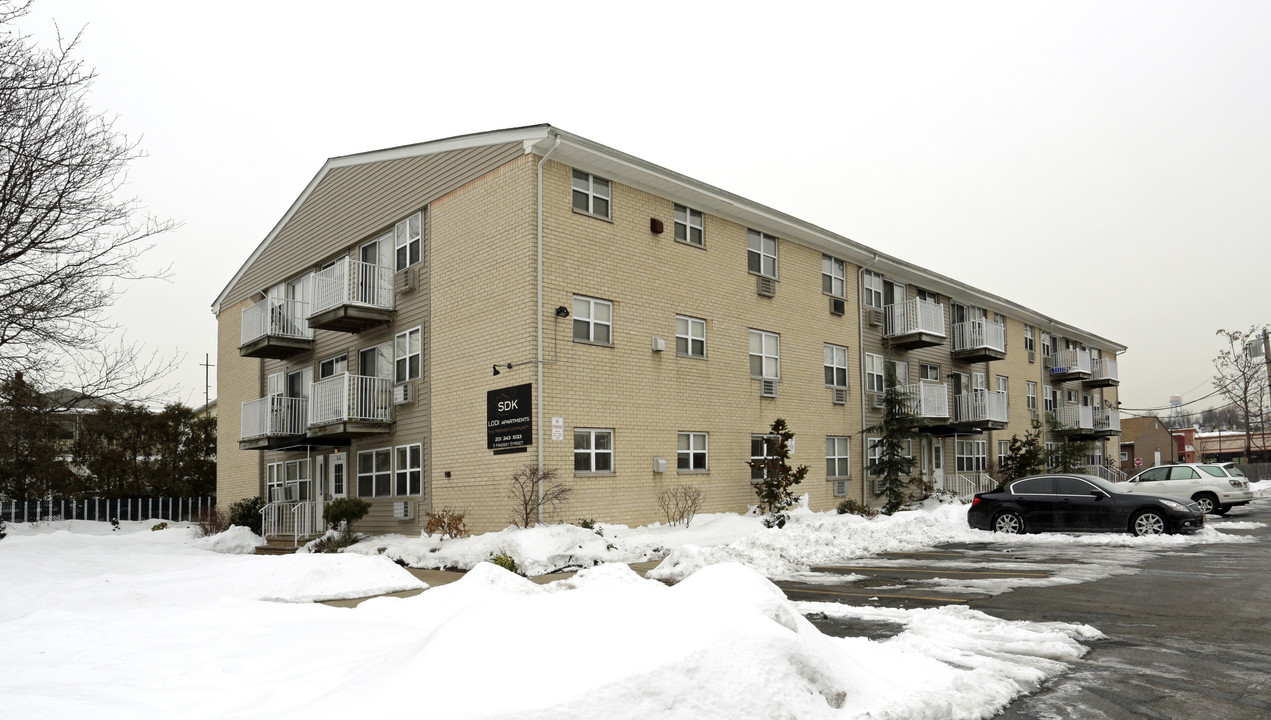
(435, 578)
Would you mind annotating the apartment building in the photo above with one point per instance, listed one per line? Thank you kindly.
(425, 320)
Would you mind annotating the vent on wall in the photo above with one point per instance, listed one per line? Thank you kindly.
(840, 396)
(875, 318)
(1032, 356)
(840, 488)
(838, 306)
(766, 286)
(404, 280)
(768, 389)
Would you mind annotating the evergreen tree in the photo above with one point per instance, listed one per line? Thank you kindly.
(773, 488)
(1069, 455)
(31, 444)
(1027, 456)
(896, 432)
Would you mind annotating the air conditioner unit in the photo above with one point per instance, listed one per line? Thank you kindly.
(658, 344)
(659, 465)
(840, 396)
(768, 389)
(1048, 362)
(880, 401)
(766, 286)
(404, 394)
(1032, 356)
(404, 280)
(875, 318)
(403, 510)
(840, 488)
(838, 306)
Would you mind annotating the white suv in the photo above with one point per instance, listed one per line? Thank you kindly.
(1215, 488)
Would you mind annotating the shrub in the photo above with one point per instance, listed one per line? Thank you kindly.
(776, 476)
(505, 561)
(851, 506)
(535, 489)
(680, 504)
(346, 511)
(159, 526)
(2, 528)
(209, 521)
(447, 523)
(334, 542)
(246, 513)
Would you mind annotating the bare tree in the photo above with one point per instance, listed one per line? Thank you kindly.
(68, 235)
(1242, 380)
(534, 488)
(680, 504)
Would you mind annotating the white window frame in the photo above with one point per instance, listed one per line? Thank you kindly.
(408, 345)
(408, 470)
(689, 446)
(1003, 452)
(924, 375)
(338, 364)
(594, 191)
(585, 316)
(593, 453)
(873, 452)
(833, 276)
(875, 377)
(872, 289)
(757, 474)
(686, 221)
(1029, 343)
(384, 361)
(838, 457)
(1030, 394)
(408, 236)
(757, 255)
(1047, 344)
(835, 366)
(1003, 386)
(974, 461)
(901, 369)
(377, 474)
(763, 337)
(690, 330)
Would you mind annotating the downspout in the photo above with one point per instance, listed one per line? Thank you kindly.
(538, 385)
(860, 339)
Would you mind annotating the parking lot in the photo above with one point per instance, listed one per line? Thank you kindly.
(1187, 629)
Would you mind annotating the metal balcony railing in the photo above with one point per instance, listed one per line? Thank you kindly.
(966, 485)
(928, 400)
(1109, 419)
(352, 282)
(980, 406)
(351, 398)
(1075, 417)
(1064, 362)
(1103, 369)
(976, 334)
(274, 416)
(278, 317)
(914, 316)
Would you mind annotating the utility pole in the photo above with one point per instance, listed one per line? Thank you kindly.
(207, 381)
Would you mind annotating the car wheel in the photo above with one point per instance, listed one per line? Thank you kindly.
(1222, 510)
(1208, 503)
(1148, 522)
(1009, 522)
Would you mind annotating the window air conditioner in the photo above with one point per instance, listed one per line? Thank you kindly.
(1032, 356)
(766, 286)
(403, 510)
(840, 396)
(840, 488)
(876, 318)
(404, 280)
(404, 394)
(768, 389)
(838, 306)
(880, 401)
(659, 344)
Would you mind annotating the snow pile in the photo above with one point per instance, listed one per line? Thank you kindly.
(1261, 488)
(237, 540)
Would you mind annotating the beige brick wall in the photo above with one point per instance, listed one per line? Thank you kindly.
(237, 380)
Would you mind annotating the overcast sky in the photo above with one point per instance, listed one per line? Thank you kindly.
(1106, 163)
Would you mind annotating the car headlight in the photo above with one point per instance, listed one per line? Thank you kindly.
(1174, 506)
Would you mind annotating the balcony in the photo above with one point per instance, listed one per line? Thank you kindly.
(352, 296)
(982, 409)
(275, 328)
(1107, 422)
(1070, 365)
(1103, 373)
(914, 324)
(979, 341)
(929, 400)
(346, 406)
(1074, 419)
(270, 422)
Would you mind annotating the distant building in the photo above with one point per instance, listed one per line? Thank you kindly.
(1185, 444)
(1229, 445)
(1145, 442)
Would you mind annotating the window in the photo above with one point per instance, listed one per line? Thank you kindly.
(1003, 452)
(1125, 456)
(1028, 338)
(927, 295)
(1156, 474)
(872, 290)
(1046, 344)
(287, 481)
(762, 447)
(900, 369)
(333, 366)
(1030, 393)
(690, 336)
(374, 471)
(407, 354)
(298, 383)
(688, 226)
(835, 365)
(376, 361)
(972, 455)
(407, 240)
(838, 457)
(765, 355)
(929, 372)
(1048, 398)
(593, 320)
(591, 194)
(593, 450)
(873, 453)
(1002, 384)
(1034, 486)
(691, 453)
(409, 470)
(1072, 397)
(762, 254)
(1181, 472)
(1000, 319)
(873, 372)
(833, 276)
(376, 252)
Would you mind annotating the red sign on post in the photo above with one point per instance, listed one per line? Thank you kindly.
(1138, 462)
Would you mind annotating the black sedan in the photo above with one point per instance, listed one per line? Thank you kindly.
(1080, 503)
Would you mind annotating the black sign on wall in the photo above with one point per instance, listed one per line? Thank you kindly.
(509, 414)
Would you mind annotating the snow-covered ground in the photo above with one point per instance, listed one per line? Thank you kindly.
(141, 624)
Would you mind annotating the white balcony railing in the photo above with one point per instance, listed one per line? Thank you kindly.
(1103, 369)
(928, 400)
(297, 519)
(1064, 362)
(274, 416)
(914, 316)
(980, 406)
(966, 485)
(276, 316)
(351, 398)
(976, 334)
(1110, 474)
(352, 282)
(1075, 417)
(1109, 419)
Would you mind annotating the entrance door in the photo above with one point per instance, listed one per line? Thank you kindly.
(337, 484)
(937, 463)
